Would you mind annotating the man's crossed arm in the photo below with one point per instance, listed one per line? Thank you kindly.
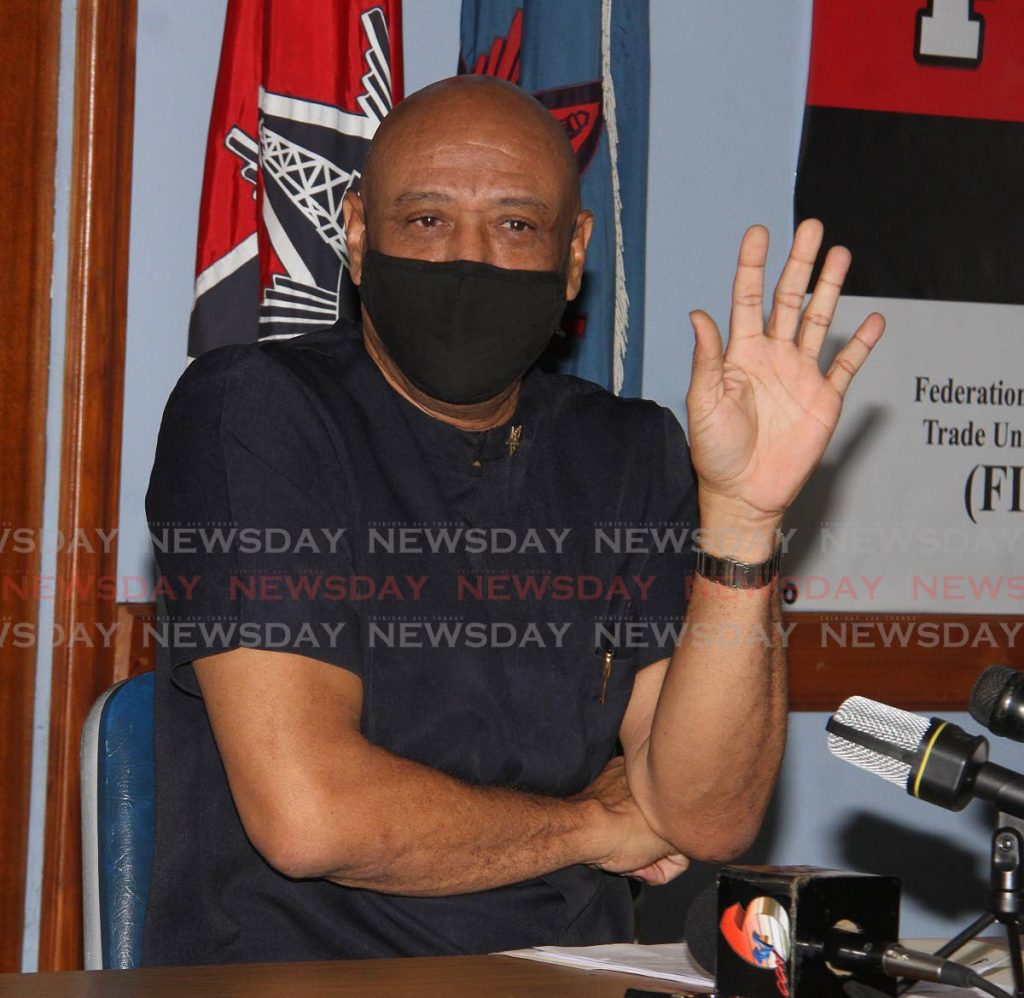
(317, 799)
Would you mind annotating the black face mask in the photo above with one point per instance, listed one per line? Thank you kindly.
(460, 331)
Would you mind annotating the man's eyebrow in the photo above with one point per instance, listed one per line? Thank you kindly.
(439, 197)
(523, 202)
(415, 197)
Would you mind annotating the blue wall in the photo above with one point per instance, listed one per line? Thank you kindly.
(726, 104)
(177, 49)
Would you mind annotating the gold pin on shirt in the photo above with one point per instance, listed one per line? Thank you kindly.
(515, 434)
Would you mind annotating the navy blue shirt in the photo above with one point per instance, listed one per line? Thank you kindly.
(473, 580)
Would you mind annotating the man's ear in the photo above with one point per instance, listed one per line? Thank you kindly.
(578, 253)
(353, 213)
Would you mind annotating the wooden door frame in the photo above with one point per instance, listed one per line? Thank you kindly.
(30, 30)
(91, 443)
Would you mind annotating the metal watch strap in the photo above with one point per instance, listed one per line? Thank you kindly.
(738, 574)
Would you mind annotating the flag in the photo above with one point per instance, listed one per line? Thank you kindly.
(588, 62)
(913, 145)
(301, 88)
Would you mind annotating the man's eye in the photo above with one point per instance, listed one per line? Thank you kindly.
(517, 225)
(426, 221)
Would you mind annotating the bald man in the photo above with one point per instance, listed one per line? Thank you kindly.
(395, 745)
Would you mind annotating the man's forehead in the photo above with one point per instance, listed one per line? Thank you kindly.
(513, 141)
(425, 173)
(478, 127)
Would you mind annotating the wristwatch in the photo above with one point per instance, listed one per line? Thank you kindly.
(738, 574)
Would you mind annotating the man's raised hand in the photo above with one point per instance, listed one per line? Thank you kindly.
(761, 412)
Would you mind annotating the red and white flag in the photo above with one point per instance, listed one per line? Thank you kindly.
(302, 87)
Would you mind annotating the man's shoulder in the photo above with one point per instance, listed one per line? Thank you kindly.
(269, 372)
(272, 358)
(259, 404)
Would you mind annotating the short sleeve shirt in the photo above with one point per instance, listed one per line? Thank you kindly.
(480, 584)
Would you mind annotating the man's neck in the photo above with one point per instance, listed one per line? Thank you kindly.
(475, 417)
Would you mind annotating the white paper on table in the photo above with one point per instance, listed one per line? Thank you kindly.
(667, 961)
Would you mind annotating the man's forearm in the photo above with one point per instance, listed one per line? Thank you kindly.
(425, 833)
(319, 800)
(706, 771)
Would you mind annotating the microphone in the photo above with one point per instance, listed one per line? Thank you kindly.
(700, 930)
(997, 701)
(845, 950)
(931, 759)
(852, 951)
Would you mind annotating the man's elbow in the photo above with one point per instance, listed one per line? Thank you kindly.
(720, 848)
(305, 841)
(714, 839)
(297, 857)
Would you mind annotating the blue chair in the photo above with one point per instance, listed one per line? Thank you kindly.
(117, 822)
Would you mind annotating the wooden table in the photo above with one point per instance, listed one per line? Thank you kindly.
(419, 977)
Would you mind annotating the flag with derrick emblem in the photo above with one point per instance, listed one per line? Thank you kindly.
(301, 89)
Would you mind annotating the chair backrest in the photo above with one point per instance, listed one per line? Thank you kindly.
(117, 822)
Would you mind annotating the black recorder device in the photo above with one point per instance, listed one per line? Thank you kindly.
(802, 932)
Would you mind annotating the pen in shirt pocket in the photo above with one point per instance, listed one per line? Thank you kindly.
(610, 645)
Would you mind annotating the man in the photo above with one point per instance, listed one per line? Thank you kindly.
(406, 795)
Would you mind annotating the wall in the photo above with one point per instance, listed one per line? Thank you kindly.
(177, 53)
(726, 104)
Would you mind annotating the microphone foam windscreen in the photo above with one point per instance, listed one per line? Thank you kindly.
(987, 692)
(701, 929)
(890, 725)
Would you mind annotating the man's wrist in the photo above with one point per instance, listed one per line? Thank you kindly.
(731, 529)
(593, 839)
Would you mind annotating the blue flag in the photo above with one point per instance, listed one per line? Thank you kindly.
(588, 62)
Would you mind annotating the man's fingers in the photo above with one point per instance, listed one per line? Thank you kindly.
(661, 871)
(796, 275)
(822, 306)
(850, 359)
(748, 288)
(707, 354)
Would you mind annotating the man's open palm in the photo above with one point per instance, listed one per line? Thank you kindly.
(761, 413)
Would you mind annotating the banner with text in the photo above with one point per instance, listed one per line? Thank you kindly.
(912, 154)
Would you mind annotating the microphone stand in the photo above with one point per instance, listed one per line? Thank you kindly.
(1005, 898)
